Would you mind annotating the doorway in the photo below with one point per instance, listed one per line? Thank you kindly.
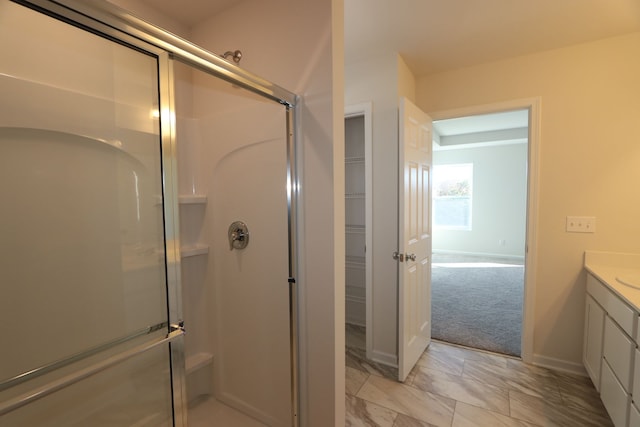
(359, 207)
(358, 228)
(480, 204)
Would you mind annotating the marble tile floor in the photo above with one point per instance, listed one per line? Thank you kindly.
(458, 387)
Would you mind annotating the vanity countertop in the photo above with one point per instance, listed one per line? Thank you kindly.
(606, 266)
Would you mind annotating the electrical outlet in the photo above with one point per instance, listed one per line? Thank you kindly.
(581, 224)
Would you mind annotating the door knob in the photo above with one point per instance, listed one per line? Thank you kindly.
(411, 257)
(398, 256)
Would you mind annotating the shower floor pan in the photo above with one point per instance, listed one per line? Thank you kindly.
(209, 412)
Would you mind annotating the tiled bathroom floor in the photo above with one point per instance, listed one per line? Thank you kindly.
(459, 387)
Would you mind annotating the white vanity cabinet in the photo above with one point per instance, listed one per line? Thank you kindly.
(610, 355)
(634, 412)
(593, 339)
(634, 417)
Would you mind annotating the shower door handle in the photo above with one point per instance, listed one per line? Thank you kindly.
(238, 235)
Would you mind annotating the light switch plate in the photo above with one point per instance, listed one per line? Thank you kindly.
(581, 224)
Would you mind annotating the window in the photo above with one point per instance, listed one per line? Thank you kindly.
(452, 190)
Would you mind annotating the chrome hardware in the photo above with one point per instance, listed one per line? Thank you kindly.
(236, 55)
(411, 257)
(177, 326)
(238, 235)
(45, 369)
(77, 376)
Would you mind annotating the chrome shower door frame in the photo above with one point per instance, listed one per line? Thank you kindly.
(118, 24)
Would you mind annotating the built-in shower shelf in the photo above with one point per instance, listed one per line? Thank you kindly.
(192, 199)
(355, 229)
(194, 250)
(198, 361)
(354, 160)
(354, 195)
(358, 262)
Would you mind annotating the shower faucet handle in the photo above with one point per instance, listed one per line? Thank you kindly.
(238, 235)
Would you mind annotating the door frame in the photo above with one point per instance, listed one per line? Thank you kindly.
(531, 237)
(364, 110)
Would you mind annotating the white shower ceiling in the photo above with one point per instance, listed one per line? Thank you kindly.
(190, 12)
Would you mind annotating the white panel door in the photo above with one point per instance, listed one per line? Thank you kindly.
(414, 216)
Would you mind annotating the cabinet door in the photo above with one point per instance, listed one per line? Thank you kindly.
(634, 417)
(593, 337)
(618, 351)
(613, 396)
(635, 394)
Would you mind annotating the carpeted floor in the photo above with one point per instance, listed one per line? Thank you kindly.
(478, 304)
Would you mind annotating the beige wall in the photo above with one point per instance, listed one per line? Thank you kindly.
(406, 81)
(589, 164)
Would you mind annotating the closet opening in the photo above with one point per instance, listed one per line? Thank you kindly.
(358, 230)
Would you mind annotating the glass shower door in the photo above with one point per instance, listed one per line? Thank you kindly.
(86, 256)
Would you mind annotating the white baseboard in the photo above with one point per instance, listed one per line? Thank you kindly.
(487, 254)
(385, 358)
(559, 365)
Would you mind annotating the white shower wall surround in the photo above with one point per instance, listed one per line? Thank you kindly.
(95, 129)
(232, 152)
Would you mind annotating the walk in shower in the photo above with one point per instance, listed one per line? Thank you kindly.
(148, 221)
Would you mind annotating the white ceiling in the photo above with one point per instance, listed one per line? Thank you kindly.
(437, 35)
(509, 127)
(483, 123)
